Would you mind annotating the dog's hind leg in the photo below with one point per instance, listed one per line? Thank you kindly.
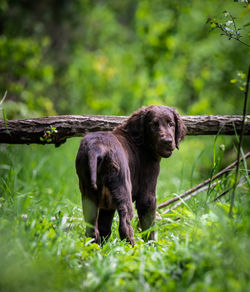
(125, 211)
(90, 212)
(105, 219)
(125, 228)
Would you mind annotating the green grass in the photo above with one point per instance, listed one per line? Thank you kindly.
(42, 241)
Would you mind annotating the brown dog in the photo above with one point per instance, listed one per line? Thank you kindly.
(118, 167)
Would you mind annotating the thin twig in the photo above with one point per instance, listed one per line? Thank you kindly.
(237, 38)
(222, 194)
(235, 28)
(240, 143)
(207, 181)
(241, 182)
(241, 42)
(230, 33)
(190, 196)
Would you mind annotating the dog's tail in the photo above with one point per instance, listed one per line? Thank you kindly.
(93, 160)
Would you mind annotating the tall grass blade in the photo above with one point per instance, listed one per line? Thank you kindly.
(240, 142)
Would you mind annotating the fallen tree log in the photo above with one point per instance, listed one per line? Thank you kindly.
(55, 130)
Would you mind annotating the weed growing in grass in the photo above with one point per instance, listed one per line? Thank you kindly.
(43, 246)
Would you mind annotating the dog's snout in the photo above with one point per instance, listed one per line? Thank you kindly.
(167, 140)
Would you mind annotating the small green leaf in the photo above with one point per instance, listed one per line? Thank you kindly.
(233, 81)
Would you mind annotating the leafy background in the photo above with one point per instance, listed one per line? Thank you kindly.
(111, 57)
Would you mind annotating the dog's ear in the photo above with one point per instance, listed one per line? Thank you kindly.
(134, 126)
(180, 129)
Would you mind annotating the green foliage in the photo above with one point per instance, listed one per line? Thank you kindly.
(48, 135)
(25, 76)
(240, 80)
(112, 57)
(198, 247)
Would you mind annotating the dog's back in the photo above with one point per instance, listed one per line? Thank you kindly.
(101, 166)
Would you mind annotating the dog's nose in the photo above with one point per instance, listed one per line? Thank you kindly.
(168, 141)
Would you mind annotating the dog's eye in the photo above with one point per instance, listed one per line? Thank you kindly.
(171, 124)
(155, 123)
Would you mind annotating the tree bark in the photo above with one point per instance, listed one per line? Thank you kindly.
(30, 131)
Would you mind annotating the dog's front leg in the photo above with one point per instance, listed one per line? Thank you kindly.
(146, 208)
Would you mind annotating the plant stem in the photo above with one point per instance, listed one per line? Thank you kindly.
(237, 39)
(242, 42)
(235, 28)
(240, 144)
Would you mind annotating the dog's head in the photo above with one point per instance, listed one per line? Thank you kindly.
(156, 127)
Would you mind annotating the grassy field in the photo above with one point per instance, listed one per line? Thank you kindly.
(42, 241)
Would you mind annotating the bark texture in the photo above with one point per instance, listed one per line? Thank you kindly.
(30, 131)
